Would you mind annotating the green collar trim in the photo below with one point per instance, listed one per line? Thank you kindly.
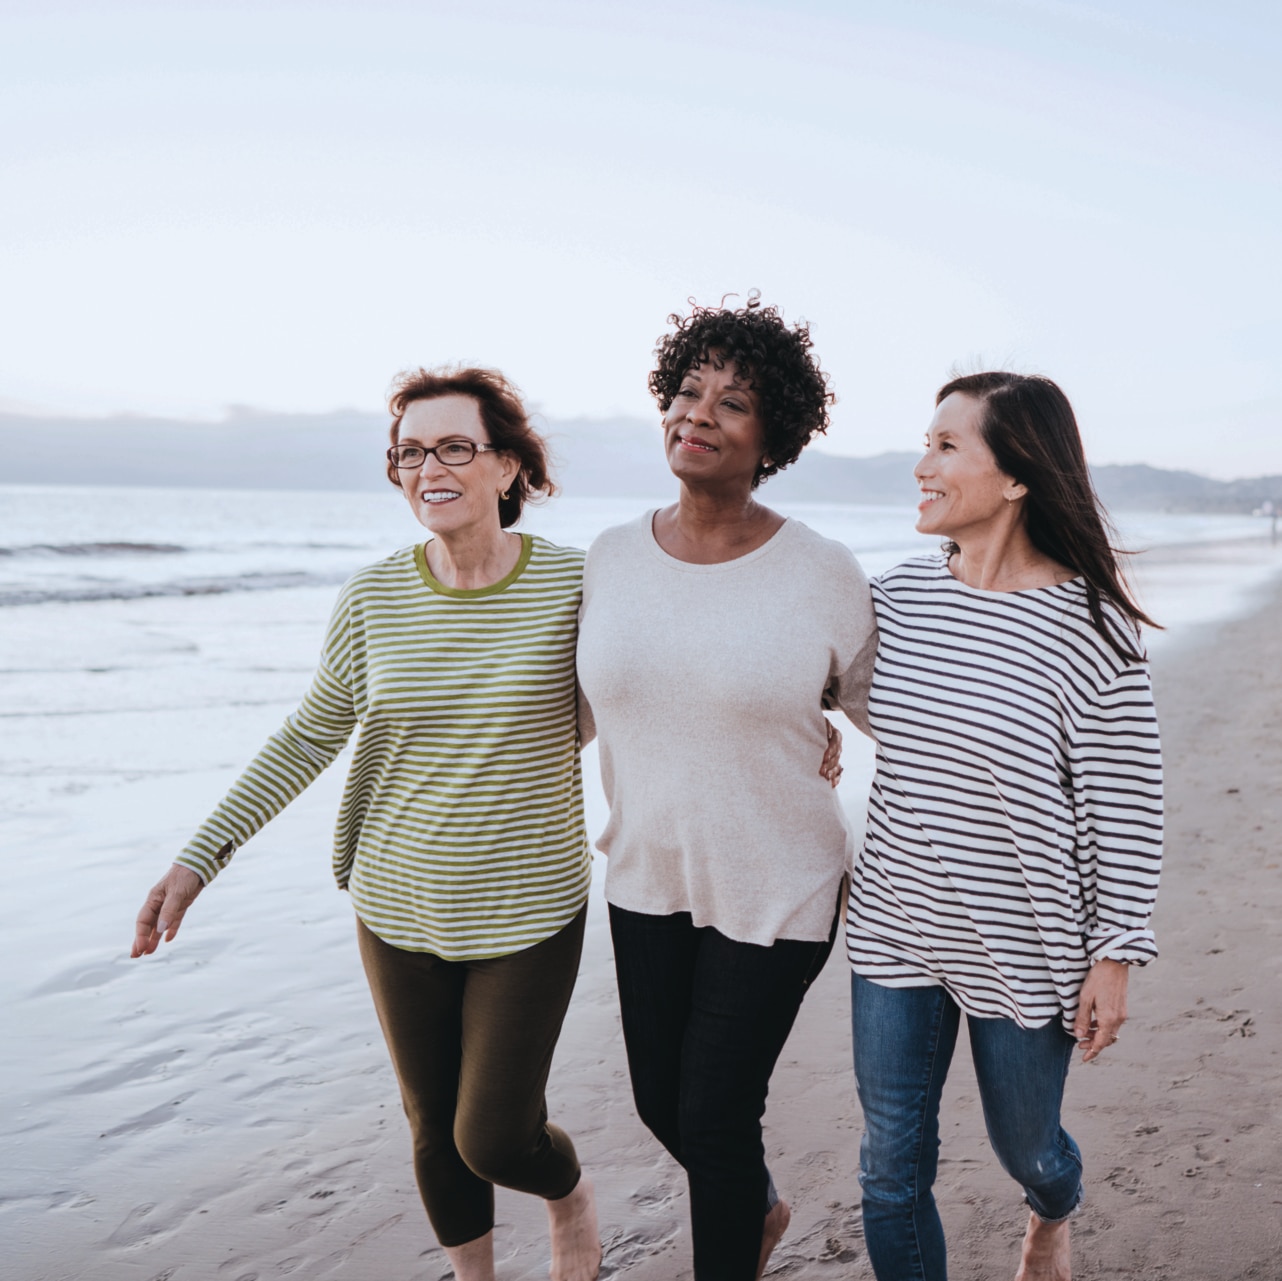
(474, 593)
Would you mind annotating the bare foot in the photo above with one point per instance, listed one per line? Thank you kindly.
(1045, 1255)
(776, 1225)
(576, 1240)
(473, 1260)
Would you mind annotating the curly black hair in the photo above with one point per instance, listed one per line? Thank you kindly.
(775, 359)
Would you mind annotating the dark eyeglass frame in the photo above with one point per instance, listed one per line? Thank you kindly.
(435, 453)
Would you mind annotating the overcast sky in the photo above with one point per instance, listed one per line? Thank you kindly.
(280, 205)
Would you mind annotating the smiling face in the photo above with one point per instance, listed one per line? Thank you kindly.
(453, 500)
(963, 490)
(713, 431)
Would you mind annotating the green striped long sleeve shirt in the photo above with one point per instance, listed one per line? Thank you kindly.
(461, 826)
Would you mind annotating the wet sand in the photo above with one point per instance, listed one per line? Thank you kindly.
(226, 1110)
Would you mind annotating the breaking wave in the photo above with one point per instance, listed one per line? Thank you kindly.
(124, 590)
(94, 549)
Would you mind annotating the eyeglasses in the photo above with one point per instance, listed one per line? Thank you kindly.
(453, 453)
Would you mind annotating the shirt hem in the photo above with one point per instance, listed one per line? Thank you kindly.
(482, 952)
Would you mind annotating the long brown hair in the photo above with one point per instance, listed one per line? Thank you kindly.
(503, 416)
(1032, 432)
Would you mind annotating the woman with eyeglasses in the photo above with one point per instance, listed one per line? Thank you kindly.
(460, 837)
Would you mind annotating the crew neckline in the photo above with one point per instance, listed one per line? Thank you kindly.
(695, 567)
(946, 572)
(473, 593)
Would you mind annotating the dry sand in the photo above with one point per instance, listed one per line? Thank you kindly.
(245, 1135)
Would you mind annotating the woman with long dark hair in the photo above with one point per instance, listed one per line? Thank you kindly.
(1014, 829)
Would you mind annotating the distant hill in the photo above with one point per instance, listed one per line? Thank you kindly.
(246, 450)
(594, 458)
(1138, 487)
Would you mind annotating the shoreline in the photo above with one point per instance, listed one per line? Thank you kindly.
(227, 1107)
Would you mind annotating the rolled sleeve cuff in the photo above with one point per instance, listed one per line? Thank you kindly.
(1131, 947)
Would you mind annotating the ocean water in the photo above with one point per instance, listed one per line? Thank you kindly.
(81, 544)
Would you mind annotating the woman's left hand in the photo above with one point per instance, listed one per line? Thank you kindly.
(1102, 1008)
(830, 767)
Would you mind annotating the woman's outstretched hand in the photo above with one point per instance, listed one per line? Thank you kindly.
(830, 766)
(1102, 1009)
(164, 909)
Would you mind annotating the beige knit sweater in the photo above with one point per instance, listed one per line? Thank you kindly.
(706, 684)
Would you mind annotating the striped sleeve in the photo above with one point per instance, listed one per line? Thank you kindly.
(292, 758)
(1116, 765)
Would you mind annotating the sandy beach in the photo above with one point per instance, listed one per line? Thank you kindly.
(225, 1110)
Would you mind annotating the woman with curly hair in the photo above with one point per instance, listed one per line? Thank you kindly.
(460, 837)
(712, 633)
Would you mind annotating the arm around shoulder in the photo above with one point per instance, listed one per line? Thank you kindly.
(857, 642)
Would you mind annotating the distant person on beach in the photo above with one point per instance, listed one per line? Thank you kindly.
(712, 632)
(461, 834)
(1014, 829)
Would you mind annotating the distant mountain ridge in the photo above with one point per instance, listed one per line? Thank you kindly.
(607, 458)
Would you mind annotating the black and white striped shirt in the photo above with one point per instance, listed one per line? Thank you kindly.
(1015, 821)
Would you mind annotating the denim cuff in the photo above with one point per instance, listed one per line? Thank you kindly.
(1063, 1218)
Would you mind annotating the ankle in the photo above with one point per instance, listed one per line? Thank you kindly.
(473, 1260)
(776, 1224)
(576, 1240)
(572, 1204)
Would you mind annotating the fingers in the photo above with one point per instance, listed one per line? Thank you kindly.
(1084, 1022)
(830, 767)
(146, 937)
(1102, 1010)
(171, 916)
(1099, 1040)
(1104, 1031)
(163, 910)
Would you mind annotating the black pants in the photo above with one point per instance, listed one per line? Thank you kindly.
(472, 1042)
(704, 1020)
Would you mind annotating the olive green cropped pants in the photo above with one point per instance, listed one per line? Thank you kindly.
(472, 1043)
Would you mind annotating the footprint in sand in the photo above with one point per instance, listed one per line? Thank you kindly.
(136, 1229)
(622, 1248)
(837, 1239)
(148, 1067)
(148, 1120)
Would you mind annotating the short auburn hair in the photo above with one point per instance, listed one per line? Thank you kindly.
(502, 414)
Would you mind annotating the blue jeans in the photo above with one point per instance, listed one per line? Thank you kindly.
(904, 1040)
(704, 1021)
